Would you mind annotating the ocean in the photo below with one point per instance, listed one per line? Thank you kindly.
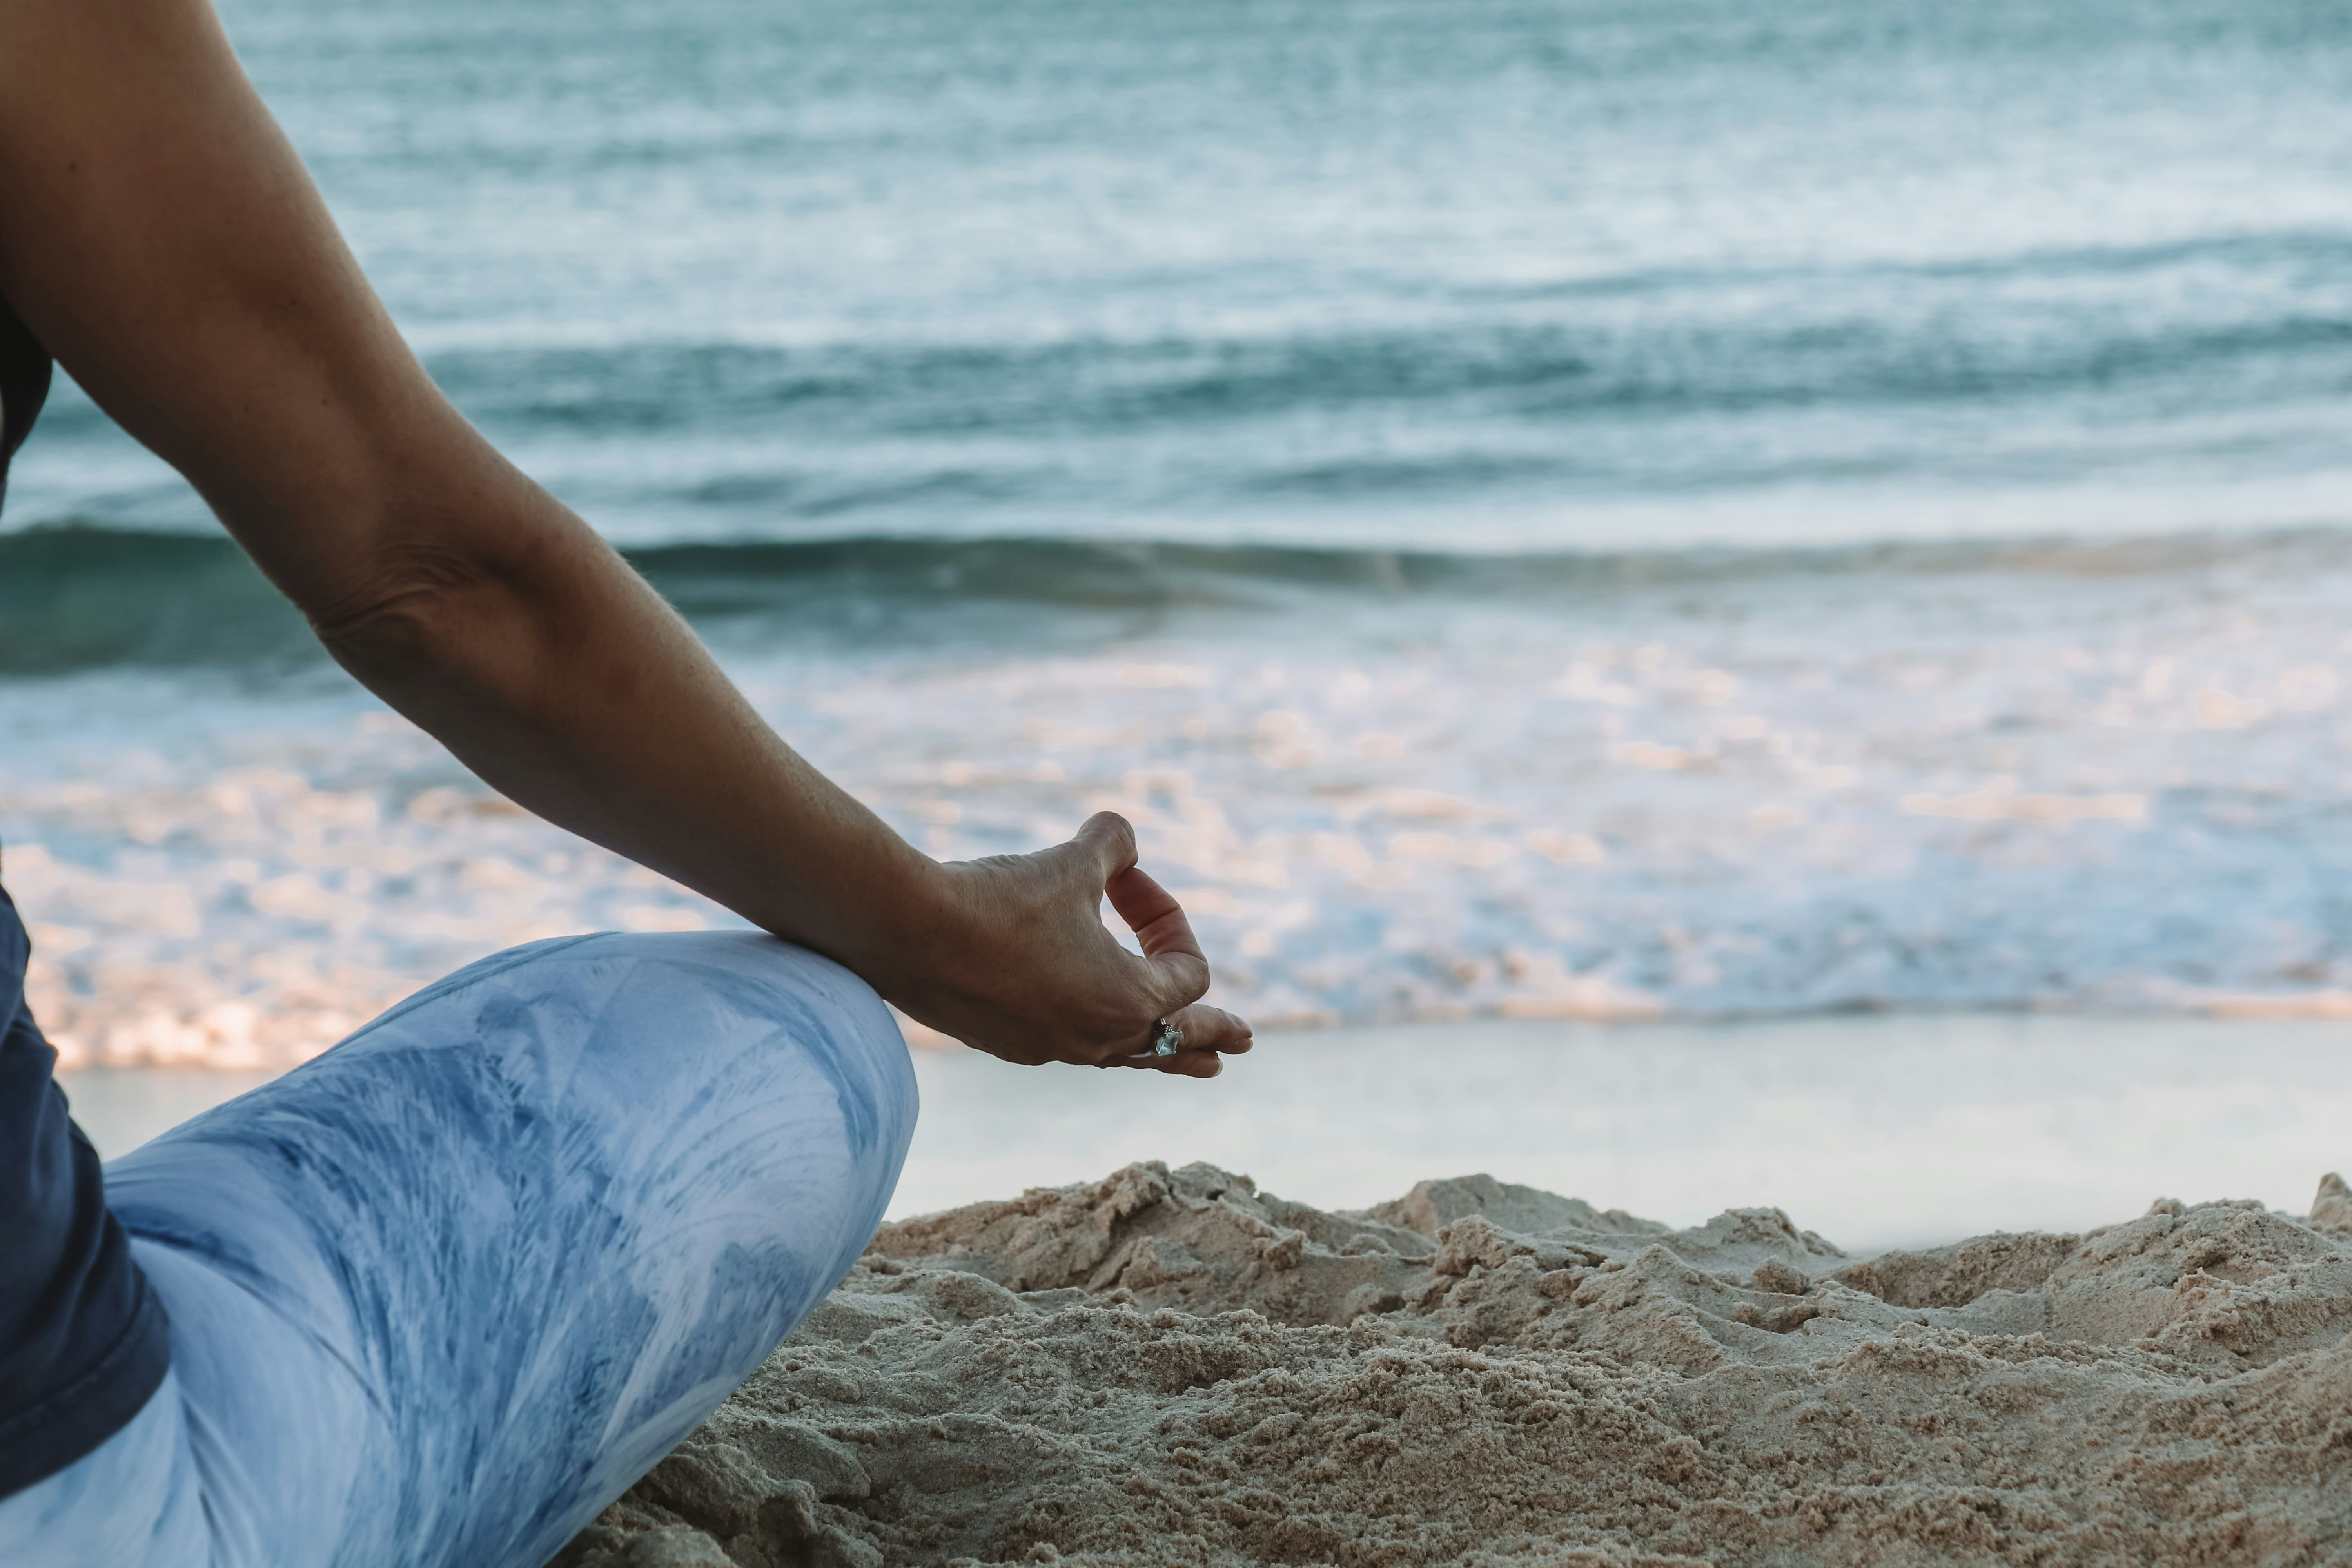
(1577, 510)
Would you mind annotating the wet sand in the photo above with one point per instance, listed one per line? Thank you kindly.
(1880, 1131)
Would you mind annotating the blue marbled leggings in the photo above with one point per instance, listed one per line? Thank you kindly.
(440, 1295)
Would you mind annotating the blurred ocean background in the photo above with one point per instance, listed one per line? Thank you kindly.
(1570, 509)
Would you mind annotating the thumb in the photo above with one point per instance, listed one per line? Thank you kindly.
(1108, 840)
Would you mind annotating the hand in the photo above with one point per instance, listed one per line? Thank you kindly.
(1015, 961)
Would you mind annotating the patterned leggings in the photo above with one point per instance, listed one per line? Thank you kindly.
(440, 1295)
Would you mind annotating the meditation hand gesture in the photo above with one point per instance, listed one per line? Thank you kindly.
(1019, 965)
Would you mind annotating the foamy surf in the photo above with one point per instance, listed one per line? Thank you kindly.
(2023, 779)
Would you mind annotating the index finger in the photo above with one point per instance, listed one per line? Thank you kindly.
(1163, 931)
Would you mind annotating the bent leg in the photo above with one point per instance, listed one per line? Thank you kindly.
(440, 1295)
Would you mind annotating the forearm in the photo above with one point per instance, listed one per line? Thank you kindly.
(551, 668)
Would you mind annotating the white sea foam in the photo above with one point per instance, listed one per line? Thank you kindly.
(2124, 788)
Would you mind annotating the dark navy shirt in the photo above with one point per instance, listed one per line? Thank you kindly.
(83, 1340)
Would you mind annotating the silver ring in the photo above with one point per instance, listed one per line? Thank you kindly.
(1167, 1042)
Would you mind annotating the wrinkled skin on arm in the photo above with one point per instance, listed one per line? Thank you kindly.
(160, 236)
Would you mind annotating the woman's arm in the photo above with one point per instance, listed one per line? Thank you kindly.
(159, 235)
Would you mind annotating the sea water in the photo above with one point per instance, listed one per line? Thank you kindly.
(1573, 509)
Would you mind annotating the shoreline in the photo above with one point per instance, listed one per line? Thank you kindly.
(1879, 1130)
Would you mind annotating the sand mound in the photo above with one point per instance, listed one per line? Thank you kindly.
(1172, 1367)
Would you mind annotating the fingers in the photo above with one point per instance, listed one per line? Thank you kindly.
(1148, 908)
(1191, 1064)
(1178, 969)
(1211, 1034)
(1164, 934)
(1153, 913)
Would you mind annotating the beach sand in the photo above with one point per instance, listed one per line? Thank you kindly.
(1176, 1367)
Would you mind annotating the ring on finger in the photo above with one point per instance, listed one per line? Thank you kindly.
(1166, 1040)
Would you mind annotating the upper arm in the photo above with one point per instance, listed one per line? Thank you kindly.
(161, 238)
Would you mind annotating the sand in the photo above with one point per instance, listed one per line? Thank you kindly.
(1173, 1367)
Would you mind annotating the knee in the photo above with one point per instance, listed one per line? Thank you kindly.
(802, 1099)
(634, 1030)
(646, 1053)
(747, 994)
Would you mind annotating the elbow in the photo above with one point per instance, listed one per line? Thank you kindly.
(499, 600)
(496, 612)
(406, 611)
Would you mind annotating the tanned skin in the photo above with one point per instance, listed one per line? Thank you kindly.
(160, 236)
